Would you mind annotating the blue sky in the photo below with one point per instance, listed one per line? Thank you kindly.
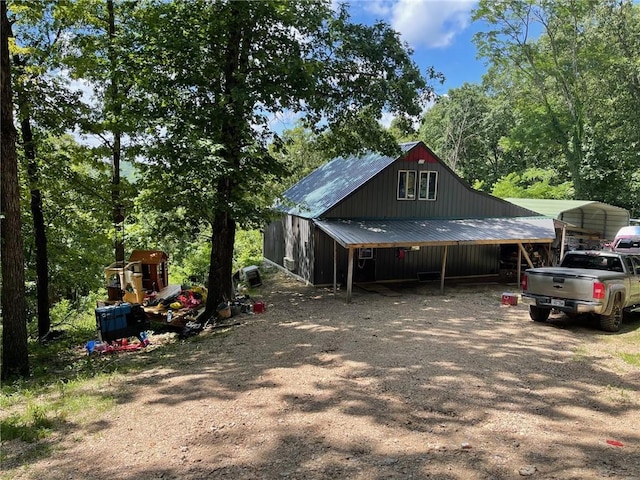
(439, 31)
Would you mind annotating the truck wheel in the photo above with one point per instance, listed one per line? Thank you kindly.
(613, 321)
(538, 314)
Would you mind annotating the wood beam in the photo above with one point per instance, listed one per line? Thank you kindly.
(526, 255)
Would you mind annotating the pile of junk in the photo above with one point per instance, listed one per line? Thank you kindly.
(140, 297)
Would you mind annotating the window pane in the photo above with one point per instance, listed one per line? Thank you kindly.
(422, 194)
(411, 184)
(402, 181)
(433, 185)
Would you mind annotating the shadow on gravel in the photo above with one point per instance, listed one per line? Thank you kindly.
(418, 386)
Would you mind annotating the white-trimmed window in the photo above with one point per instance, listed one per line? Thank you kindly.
(406, 185)
(428, 185)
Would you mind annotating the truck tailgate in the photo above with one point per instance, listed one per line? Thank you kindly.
(566, 283)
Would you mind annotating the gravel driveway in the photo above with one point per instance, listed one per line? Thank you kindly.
(407, 384)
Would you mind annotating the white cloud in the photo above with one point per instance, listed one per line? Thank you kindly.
(428, 23)
(380, 8)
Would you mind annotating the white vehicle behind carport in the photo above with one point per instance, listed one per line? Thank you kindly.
(627, 240)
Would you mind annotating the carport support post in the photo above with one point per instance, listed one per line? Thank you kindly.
(444, 268)
(350, 275)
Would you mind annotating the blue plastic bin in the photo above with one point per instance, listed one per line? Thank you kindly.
(111, 322)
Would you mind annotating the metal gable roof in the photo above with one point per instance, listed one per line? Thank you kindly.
(554, 208)
(404, 233)
(334, 181)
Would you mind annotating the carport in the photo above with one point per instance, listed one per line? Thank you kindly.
(583, 220)
(352, 235)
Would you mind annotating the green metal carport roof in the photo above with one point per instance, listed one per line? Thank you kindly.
(589, 215)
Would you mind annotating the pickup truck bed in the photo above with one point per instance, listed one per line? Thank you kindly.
(596, 282)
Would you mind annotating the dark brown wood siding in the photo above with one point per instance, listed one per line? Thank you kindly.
(273, 241)
(291, 237)
(455, 199)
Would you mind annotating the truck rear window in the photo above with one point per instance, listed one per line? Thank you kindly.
(593, 262)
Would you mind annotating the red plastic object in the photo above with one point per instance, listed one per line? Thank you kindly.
(509, 299)
(615, 443)
(259, 307)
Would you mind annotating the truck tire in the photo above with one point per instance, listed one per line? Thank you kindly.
(613, 321)
(538, 314)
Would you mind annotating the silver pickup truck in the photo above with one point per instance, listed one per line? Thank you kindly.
(598, 282)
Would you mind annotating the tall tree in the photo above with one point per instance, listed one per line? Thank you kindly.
(552, 64)
(568, 63)
(15, 357)
(215, 72)
(100, 59)
(299, 153)
(46, 107)
(455, 125)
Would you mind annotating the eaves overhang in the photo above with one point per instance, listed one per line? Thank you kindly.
(422, 232)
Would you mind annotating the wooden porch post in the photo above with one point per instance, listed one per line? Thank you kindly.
(350, 275)
(518, 282)
(335, 267)
(444, 268)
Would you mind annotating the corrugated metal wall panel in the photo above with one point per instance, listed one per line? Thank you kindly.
(461, 261)
(606, 222)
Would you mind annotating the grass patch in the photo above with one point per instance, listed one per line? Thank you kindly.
(66, 386)
(34, 424)
(631, 358)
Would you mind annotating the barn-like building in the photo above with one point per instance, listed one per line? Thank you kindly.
(375, 218)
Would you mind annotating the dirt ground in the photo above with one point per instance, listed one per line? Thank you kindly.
(403, 383)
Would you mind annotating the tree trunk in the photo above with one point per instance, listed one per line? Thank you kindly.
(220, 284)
(39, 229)
(39, 232)
(15, 357)
(116, 109)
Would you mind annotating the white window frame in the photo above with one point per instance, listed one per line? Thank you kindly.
(430, 195)
(407, 174)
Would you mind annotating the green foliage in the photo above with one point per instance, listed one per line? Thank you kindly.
(73, 324)
(76, 212)
(403, 130)
(192, 266)
(299, 152)
(532, 183)
(209, 75)
(573, 89)
(248, 249)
